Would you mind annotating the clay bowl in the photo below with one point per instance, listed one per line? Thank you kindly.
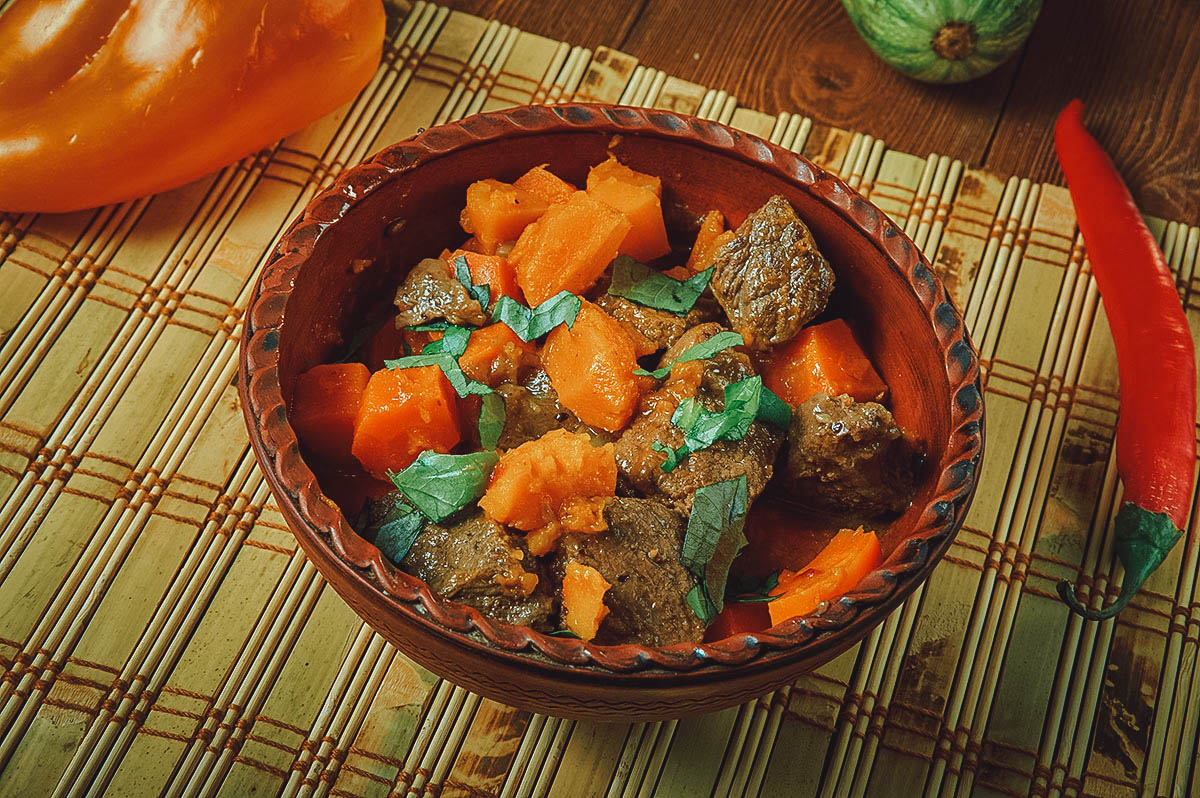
(338, 264)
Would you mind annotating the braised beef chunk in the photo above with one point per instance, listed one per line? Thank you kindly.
(654, 329)
(430, 292)
(770, 278)
(529, 414)
(849, 458)
(640, 467)
(639, 556)
(476, 562)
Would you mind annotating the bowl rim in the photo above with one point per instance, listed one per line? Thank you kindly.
(316, 521)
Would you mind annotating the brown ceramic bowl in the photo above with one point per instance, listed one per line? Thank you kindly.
(403, 204)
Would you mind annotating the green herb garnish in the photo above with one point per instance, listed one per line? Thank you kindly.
(564, 633)
(650, 287)
(454, 341)
(744, 403)
(714, 537)
(701, 351)
(491, 420)
(532, 323)
(442, 484)
(395, 526)
(480, 293)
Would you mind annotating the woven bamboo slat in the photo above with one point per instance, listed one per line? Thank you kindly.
(160, 632)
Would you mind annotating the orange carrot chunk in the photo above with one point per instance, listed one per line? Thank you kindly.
(403, 413)
(324, 407)
(583, 590)
(495, 354)
(837, 568)
(614, 169)
(498, 212)
(549, 187)
(491, 270)
(568, 248)
(709, 239)
(591, 368)
(823, 358)
(532, 483)
(647, 236)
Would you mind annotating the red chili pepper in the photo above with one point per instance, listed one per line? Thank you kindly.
(1156, 438)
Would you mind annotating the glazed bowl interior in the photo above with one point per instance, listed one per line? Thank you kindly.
(336, 271)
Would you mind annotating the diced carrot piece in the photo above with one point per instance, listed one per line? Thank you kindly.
(324, 407)
(842, 564)
(545, 184)
(491, 270)
(531, 483)
(583, 592)
(498, 212)
(647, 236)
(823, 358)
(495, 354)
(591, 368)
(386, 344)
(568, 248)
(678, 272)
(614, 169)
(711, 237)
(584, 515)
(473, 244)
(737, 618)
(403, 413)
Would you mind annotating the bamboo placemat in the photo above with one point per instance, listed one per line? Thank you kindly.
(160, 632)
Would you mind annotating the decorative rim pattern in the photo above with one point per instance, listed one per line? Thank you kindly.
(293, 483)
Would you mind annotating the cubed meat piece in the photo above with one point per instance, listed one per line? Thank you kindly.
(849, 459)
(639, 556)
(640, 467)
(653, 329)
(770, 278)
(476, 562)
(430, 292)
(532, 409)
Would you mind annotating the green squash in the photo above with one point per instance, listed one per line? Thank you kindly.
(944, 41)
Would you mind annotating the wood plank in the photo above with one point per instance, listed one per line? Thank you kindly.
(1131, 63)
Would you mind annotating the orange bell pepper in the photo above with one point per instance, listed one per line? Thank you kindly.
(113, 99)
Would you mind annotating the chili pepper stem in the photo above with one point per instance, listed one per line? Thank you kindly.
(1143, 540)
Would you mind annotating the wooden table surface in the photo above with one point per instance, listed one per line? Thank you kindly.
(1136, 63)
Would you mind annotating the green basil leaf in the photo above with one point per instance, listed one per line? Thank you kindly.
(491, 420)
(774, 410)
(715, 534)
(532, 323)
(702, 428)
(700, 604)
(394, 525)
(442, 484)
(433, 326)
(564, 633)
(754, 599)
(650, 287)
(460, 382)
(701, 351)
(480, 293)
(454, 341)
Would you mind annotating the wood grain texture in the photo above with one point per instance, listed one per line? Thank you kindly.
(1137, 68)
(1131, 62)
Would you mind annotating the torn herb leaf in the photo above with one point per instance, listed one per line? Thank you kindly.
(459, 381)
(641, 284)
(454, 341)
(715, 535)
(394, 525)
(442, 484)
(701, 351)
(702, 428)
(491, 420)
(480, 293)
(532, 323)
(700, 604)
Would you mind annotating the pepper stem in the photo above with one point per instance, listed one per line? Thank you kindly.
(1143, 540)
